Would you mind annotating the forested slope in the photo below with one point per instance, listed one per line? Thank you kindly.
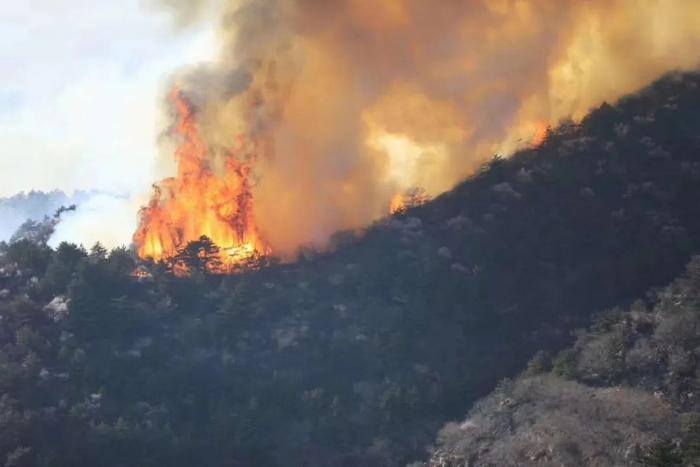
(626, 393)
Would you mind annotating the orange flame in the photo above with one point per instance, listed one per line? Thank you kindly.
(199, 202)
(398, 204)
(410, 198)
(540, 135)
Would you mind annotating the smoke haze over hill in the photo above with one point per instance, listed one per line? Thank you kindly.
(342, 104)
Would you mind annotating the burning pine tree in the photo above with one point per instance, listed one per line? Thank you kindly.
(411, 198)
(199, 202)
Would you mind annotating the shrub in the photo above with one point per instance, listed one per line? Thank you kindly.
(540, 363)
(564, 364)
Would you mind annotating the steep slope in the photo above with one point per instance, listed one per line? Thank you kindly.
(358, 355)
(624, 394)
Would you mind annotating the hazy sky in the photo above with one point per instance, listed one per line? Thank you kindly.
(81, 86)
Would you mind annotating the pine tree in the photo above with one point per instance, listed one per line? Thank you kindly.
(199, 256)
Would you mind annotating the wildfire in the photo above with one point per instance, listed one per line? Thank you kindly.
(404, 200)
(199, 201)
(540, 135)
(398, 204)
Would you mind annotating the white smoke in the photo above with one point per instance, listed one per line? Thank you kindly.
(104, 218)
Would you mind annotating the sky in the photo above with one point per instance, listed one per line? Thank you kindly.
(80, 99)
(81, 87)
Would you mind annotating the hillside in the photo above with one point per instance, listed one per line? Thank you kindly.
(624, 394)
(357, 355)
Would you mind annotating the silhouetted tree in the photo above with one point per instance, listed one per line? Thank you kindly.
(198, 256)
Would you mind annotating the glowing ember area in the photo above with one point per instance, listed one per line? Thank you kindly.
(540, 135)
(141, 273)
(199, 202)
(405, 200)
(398, 204)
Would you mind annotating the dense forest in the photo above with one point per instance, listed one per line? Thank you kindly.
(359, 354)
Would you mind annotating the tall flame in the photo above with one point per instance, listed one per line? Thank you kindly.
(198, 201)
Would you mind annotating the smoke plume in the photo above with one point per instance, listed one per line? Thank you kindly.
(103, 217)
(343, 103)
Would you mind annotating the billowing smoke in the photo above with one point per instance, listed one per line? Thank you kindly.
(83, 217)
(345, 102)
(103, 217)
(40, 232)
